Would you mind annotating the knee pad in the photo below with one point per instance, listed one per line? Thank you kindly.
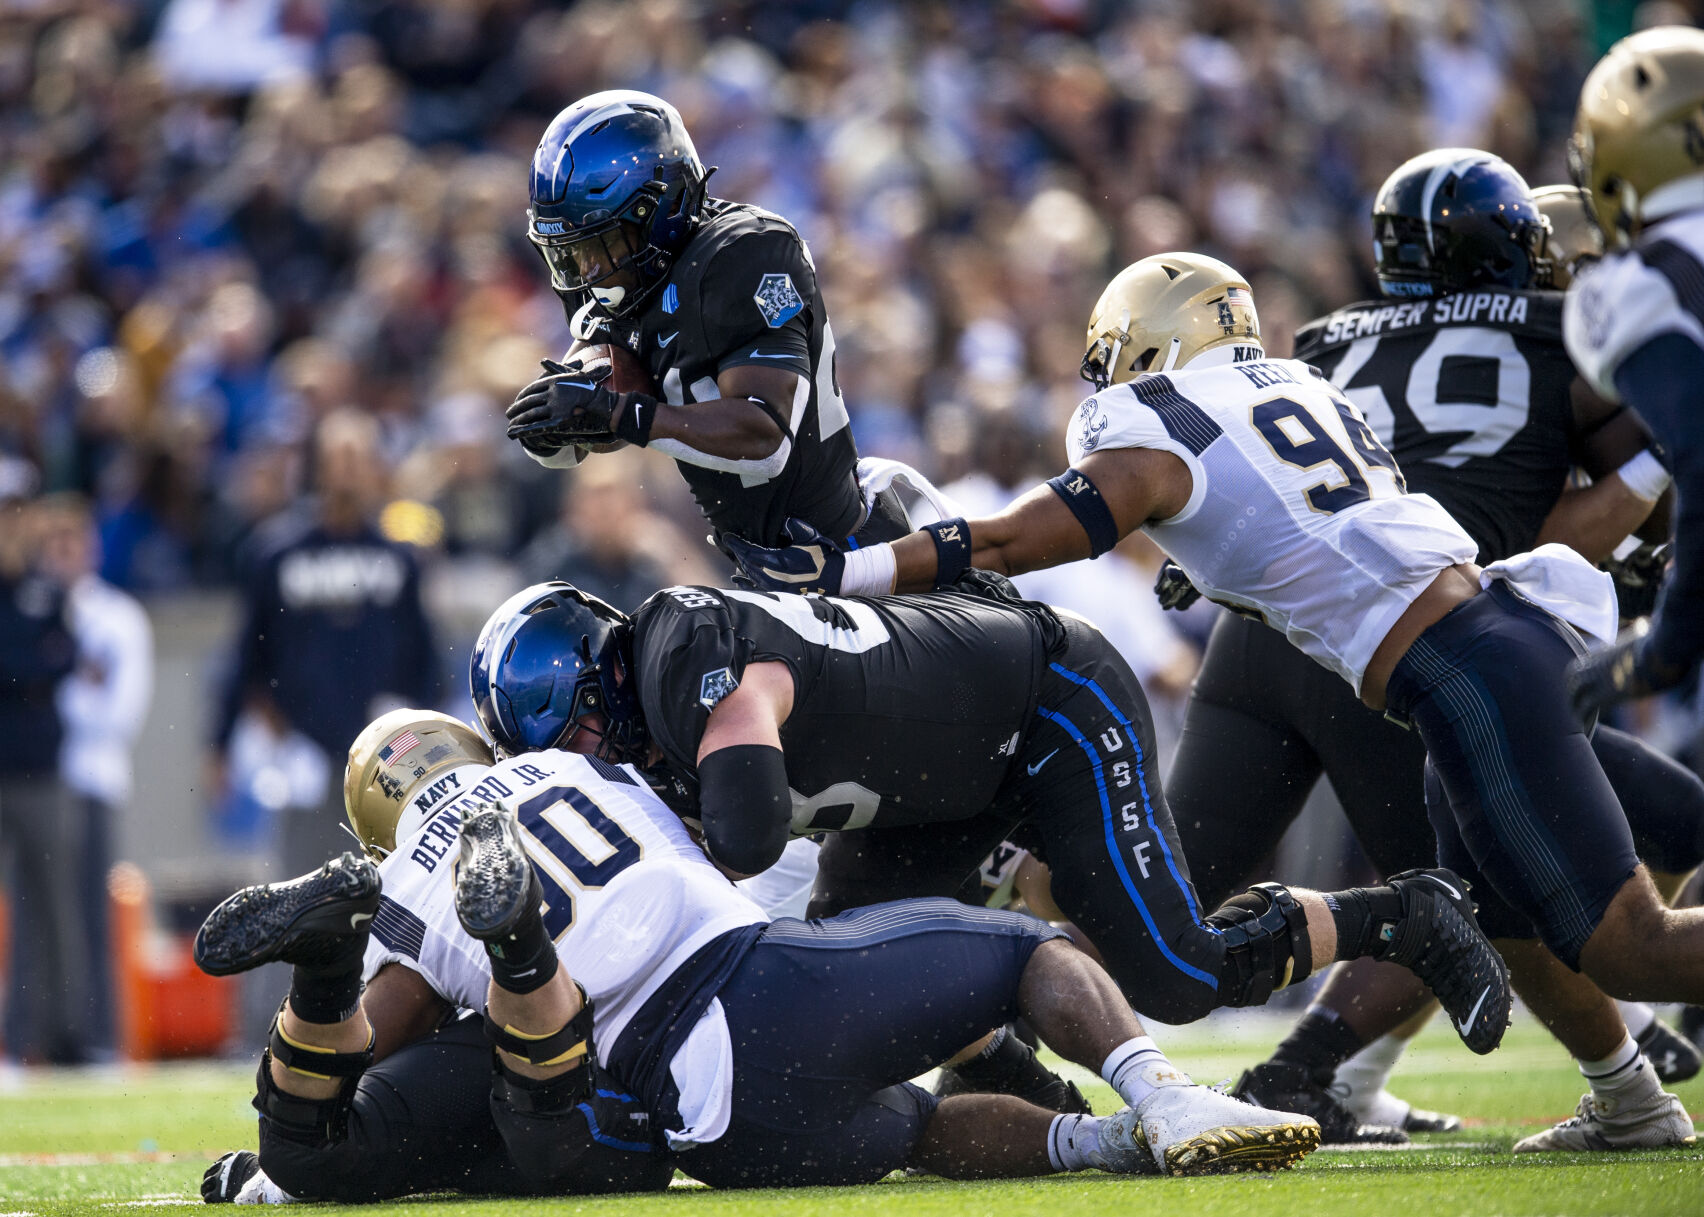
(1265, 933)
(317, 1120)
(570, 1042)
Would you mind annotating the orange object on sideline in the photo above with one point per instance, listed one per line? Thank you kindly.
(167, 1006)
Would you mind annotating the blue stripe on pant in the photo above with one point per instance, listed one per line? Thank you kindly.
(1087, 779)
(1526, 806)
(828, 1020)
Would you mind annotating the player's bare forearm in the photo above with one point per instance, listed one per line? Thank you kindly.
(1594, 519)
(734, 428)
(1039, 530)
(1035, 532)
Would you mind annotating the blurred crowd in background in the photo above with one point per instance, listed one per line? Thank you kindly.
(263, 266)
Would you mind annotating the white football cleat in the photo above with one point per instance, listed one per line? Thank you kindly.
(1651, 1120)
(1193, 1130)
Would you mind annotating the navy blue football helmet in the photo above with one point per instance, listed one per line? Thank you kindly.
(616, 185)
(1452, 219)
(548, 656)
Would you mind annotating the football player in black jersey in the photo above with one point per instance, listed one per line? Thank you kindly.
(719, 300)
(918, 731)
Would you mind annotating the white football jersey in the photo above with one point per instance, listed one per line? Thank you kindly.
(1297, 515)
(628, 898)
(1618, 304)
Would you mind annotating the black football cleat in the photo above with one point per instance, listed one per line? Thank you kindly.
(317, 920)
(1040, 1086)
(1281, 1086)
(225, 1178)
(495, 883)
(1439, 941)
(1672, 1055)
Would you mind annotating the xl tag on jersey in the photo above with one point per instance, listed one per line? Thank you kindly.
(715, 686)
(778, 300)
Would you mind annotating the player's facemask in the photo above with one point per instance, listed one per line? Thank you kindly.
(600, 260)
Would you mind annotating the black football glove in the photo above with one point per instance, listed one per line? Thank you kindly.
(809, 562)
(1173, 587)
(575, 406)
(221, 1182)
(1617, 674)
(1638, 579)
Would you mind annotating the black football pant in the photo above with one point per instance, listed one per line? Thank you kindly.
(1264, 722)
(424, 1119)
(1085, 787)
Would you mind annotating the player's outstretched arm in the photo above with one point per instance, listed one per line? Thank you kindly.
(1061, 521)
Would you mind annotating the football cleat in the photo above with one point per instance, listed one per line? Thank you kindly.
(1439, 941)
(1192, 1130)
(1672, 1055)
(318, 920)
(495, 883)
(1281, 1086)
(237, 1178)
(225, 1178)
(1652, 1120)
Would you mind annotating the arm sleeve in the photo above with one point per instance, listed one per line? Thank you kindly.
(745, 806)
(1662, 380)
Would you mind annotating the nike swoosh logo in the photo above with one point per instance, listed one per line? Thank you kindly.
(761, 355)
(357, 920)
(524, 975)
(1473, 1014)
(1445, 886)
(663, 342)
(1036, 768)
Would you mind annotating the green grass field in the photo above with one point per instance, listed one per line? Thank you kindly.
(78, 1144)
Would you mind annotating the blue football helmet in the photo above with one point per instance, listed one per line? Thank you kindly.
(1455, 218)
(548, 656)
(616, 185)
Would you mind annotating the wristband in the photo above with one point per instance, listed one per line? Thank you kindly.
(869, 571)
(637, 414)
(952, 550)
(1645, 476)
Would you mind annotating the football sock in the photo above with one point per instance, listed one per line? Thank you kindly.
(1364, 917)
(1073, 1143)
(1137, 1068)
(525, 960)
(319, 996)
(1618, 1069)
(1367, 1072)
(1319, 1043)
(1006, 1065)
(1638, 1017)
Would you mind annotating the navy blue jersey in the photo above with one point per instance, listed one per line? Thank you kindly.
(744, 292)
(330, 624)
(1471, 393)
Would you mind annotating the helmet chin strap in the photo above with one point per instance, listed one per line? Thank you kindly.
(1171, 355)
(581, 325)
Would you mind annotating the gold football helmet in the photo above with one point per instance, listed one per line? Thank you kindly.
(393, 757)
(1161, 312)
(1573, 238)
(1639, 131)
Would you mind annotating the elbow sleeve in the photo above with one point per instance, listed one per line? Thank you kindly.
(745, 806)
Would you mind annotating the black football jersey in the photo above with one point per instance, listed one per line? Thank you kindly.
(744, 291)
(907, 709)
(1471, 394)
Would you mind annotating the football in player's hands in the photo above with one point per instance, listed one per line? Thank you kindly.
(809, 562)
(596, 396)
